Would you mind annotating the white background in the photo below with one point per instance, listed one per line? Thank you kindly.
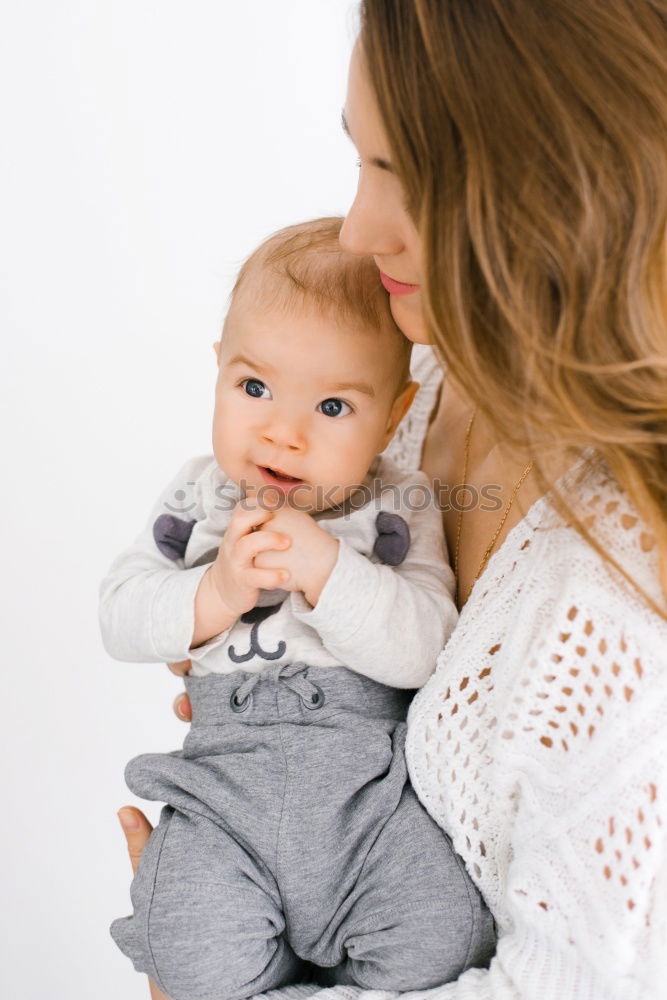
(146, 146)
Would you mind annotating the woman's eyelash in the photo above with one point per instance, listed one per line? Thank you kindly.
(357, 162)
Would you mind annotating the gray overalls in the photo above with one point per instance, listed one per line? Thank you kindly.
(292, 835)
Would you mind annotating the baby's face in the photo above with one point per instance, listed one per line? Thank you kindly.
(304, 402)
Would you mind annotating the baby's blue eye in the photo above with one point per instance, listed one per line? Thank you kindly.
(334, 407)
(255, 388)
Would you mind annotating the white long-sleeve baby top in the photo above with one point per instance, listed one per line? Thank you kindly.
(386, 610)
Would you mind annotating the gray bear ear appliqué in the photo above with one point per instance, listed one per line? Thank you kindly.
(393, 540)
(171, 535)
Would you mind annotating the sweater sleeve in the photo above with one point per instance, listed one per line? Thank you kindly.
(583, 893)
(389, 622)
(146, 608)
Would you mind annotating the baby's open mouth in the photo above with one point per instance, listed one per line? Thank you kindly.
(282, 475)
(276, 476)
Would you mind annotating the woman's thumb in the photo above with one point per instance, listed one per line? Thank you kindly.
(137, 830)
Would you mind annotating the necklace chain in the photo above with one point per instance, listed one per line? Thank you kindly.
(459, 524)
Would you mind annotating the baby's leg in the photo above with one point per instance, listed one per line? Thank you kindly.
(207, 920)
(417, 919)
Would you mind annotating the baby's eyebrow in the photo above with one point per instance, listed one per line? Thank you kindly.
(241, 359)
(365, 387)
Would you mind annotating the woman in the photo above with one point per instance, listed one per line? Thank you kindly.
(513, 192)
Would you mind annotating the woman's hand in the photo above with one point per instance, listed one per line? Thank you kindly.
(137, 830)
(181, 705)
(135, 826)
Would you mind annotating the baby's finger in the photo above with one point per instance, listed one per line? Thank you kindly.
(267, 579)
(251, 545)
(271, 559)
(267, 498)
(243, 521)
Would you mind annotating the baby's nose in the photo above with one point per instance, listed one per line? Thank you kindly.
(284, 434)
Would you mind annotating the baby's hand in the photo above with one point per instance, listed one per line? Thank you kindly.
(235, 574)
(310, 558)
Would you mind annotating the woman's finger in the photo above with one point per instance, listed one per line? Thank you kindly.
(182, 707)
(181, 668)
(137, 830)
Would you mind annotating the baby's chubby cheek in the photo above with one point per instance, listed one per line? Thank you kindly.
(337, 487)
(226, 446)
(347, 469)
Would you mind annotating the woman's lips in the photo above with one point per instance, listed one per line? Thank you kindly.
(268, 475)
(397, 287)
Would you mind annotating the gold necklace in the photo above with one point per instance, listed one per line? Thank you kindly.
(508, 507)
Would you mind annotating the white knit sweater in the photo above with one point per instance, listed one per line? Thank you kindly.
(540, 746)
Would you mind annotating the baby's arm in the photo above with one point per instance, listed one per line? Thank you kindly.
(153, 609)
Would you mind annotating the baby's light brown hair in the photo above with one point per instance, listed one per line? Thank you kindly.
(304, 265)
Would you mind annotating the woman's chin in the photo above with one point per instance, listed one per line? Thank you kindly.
(407, 313)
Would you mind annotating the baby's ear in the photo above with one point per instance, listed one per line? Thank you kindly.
(400, 407)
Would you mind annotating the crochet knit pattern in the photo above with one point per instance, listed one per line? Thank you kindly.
(540, 746)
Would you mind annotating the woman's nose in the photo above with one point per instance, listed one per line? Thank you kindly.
(369, 227)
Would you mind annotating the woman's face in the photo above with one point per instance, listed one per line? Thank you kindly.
(378, 222)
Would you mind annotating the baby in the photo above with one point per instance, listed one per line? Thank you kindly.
(305, 577)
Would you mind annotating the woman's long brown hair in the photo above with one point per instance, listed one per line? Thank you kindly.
(531, 139)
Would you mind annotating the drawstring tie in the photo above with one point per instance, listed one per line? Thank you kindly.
(293, 675)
